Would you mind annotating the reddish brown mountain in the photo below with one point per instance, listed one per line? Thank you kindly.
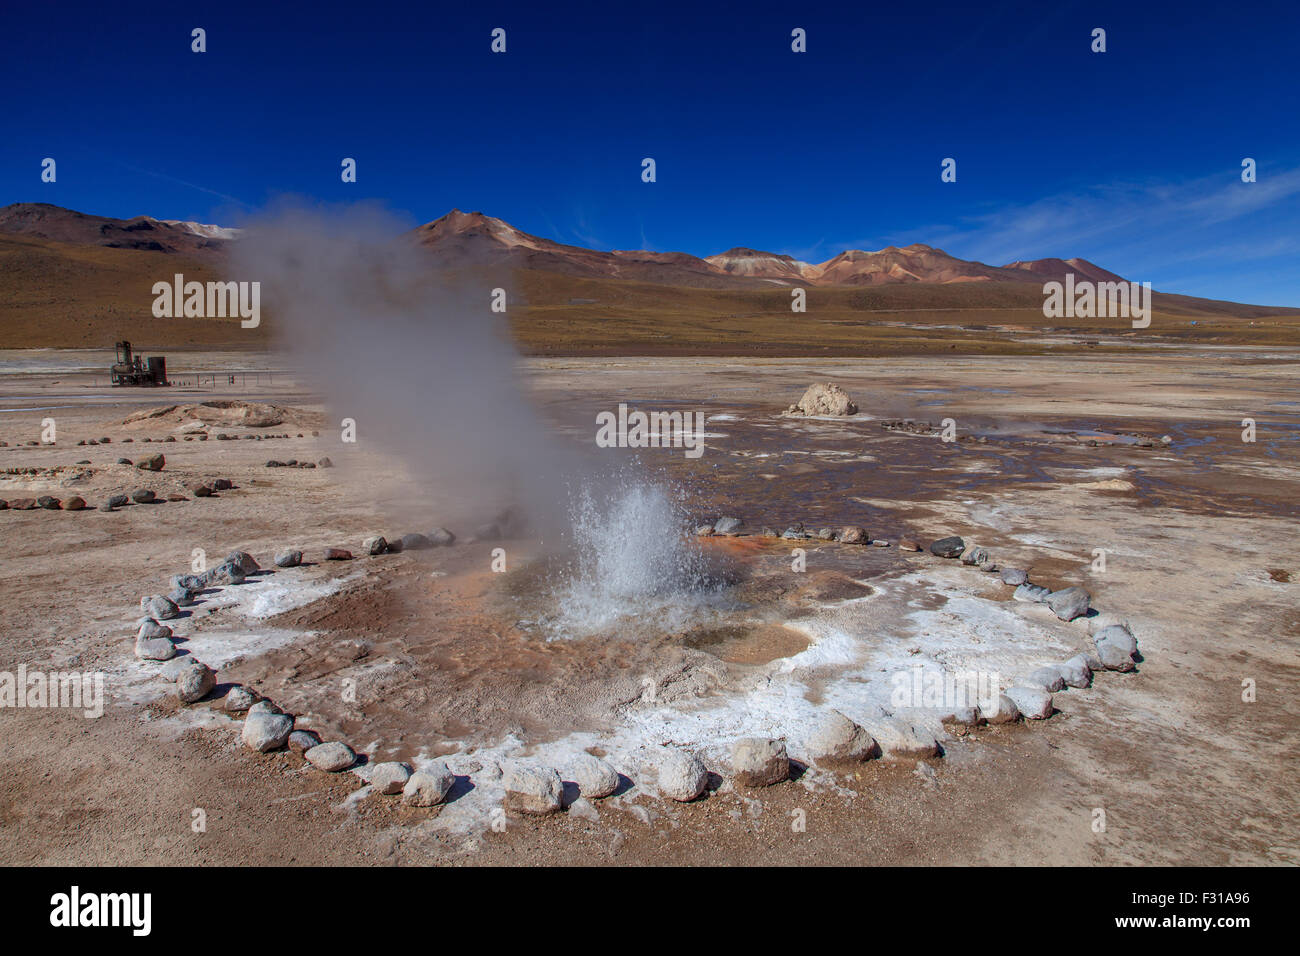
(915, 263)
(43, 221)
(1057, 268)
(766, 265)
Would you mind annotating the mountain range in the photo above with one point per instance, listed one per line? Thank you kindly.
(74, 280)
(460, 238)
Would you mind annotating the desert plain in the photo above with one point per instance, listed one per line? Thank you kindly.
(1136, 452)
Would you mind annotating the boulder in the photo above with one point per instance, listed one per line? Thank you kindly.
(824, 398)
(838, 740)
(907, 544)
(1033, 702)
(533, 790)
(155, 648)
(265, 731)
(331, 757)
(143, 496)
(1001, 711)
(151, 630)
(239, 698)
(190, 582)
(948, 547)
(244, 561)
(728, 526)
(429, 786)
(759, 762)
(195, 682)
(288, 559)
(394, 546)
(389, 777)
(223, 574)
(1031, 593)
(682, 776)
(1075, 672)
(1115, 648)
(376, 544)
(338, 554)
(160, 607)
(415, 542)
(75, 503)
(852, 534)
(975, 556)
(300, 741)
(1049, 678)
(151, 462)
(594, 777)
(910, 741)
(200, 489)
(181, 596)
(1069, 603)
(48, 502)
(1014, 576)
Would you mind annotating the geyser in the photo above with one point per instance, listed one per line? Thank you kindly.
(631, 560)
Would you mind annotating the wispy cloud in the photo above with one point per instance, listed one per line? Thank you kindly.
(1168, 221)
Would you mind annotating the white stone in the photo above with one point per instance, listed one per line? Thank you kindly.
(429, 786)
(1033, 702)
(389, 777)
(594, 777)
(265, 731)
(535, 790)
(759, 762)
(838, 739)
(331, 757)
(194, 682)
(682, 775)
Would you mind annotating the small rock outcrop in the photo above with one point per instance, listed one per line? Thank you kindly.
(824, 398)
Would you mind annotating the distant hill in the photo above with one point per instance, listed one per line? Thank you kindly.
(68, 279)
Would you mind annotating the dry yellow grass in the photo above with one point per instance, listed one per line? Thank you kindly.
(61, 295)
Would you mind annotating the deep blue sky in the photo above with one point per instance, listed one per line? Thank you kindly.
(1129, 158)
